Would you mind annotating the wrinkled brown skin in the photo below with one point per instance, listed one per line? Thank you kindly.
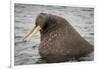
(60, 42)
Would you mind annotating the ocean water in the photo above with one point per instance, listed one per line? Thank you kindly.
(81, 18)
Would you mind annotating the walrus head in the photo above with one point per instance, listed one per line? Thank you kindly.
(43, 24)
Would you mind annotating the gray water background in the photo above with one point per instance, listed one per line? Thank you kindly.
(81, 18)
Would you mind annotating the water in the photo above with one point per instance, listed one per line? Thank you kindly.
(82, 19)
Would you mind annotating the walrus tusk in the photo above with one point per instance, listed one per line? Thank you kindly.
(33, 31)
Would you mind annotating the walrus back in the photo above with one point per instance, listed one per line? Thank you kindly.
(78, 41)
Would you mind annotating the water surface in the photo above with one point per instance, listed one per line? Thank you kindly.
(82, 19)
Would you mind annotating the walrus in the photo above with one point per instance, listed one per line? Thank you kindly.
(60, 42)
